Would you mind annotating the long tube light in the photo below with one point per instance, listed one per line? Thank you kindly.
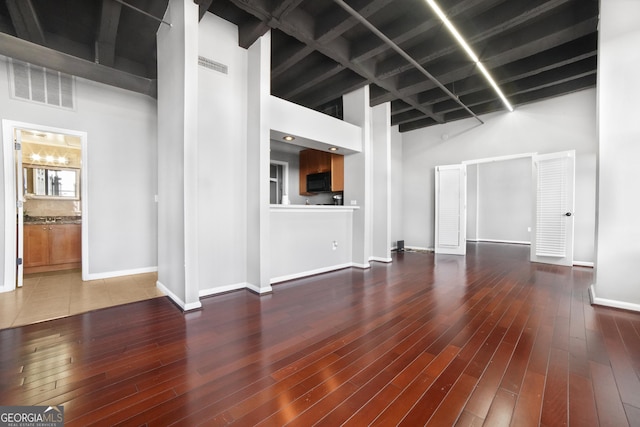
(469, 51)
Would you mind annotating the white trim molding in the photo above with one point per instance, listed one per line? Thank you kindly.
(178, 301)
(583, 264)
(509, 242)
(380, 259)
(110, 274)
(260, 290)
(610, 302)
(222, 289)
(310, 273)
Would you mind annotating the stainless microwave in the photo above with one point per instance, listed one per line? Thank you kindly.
(319, 182)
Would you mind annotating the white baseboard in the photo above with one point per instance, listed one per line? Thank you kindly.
(419, 248)
(362, 266)
(610, 302)
(511, 242)
(583, 264)
(259, 290)
(178, 301)
(380, 259)
(222, 289)
(311, 272)
(111, 274)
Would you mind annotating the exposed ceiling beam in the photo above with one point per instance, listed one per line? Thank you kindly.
(105, 45)
(335, 21)
(203, 6)
(305, 81)
(25, 21)
(575, 85)
(525, 42)
(400, 32)
(251, 30)
(583, 48)
(45, 57)
(493, 23)
(299, 24)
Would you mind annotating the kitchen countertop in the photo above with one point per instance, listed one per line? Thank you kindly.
(39, 220)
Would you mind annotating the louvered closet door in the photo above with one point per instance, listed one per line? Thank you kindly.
(552, 231)
(451, 210)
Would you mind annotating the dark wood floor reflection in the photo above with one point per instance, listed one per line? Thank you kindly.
(487, 339)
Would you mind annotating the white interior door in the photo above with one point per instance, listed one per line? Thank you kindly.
(451, 210)
(554, 187)
(19, 208)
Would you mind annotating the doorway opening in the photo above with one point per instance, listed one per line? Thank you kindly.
(543, 184)
(45, 200)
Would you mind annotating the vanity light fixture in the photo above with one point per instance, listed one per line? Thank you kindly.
(62, 160)
(333, 148)
(469, 51)
(35, 157)
(49, 159)
(288, 138)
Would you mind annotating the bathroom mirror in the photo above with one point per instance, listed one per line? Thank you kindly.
(44, 182)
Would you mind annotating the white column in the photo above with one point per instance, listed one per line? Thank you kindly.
(381, 182)
(357, 175)
(618, 229)
(177, 154)
(258, 127)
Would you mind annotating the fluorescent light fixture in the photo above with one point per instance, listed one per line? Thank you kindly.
(469, 51)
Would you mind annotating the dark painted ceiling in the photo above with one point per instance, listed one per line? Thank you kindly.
(536, 49)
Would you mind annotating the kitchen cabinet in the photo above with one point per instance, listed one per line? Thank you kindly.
(51, 247)
(315, 161)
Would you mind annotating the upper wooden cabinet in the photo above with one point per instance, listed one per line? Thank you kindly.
(315, 161)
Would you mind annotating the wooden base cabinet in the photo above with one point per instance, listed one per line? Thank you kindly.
(51, 247)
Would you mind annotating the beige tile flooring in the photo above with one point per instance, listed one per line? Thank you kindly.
(47, 296)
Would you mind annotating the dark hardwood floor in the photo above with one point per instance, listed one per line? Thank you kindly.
(487, 339)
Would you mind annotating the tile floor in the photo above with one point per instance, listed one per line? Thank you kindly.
(47, 296)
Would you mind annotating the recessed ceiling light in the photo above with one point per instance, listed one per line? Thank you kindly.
(333, 148)
(288, 138)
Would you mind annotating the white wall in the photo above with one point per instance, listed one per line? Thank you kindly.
(222, 151)
(618, 249)
(302, 240)
(558, 124)
(504, 200)
(472, 202)
(121, 166)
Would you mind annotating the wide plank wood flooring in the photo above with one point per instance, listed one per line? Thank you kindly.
(487, 339)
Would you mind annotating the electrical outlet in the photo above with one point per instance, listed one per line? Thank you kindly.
(334, 245)
(354, 202)
(529, 229)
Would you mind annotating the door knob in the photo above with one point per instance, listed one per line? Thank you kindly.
(568, 214)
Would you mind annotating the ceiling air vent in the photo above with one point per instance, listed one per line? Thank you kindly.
(42, 85)
(212, 65)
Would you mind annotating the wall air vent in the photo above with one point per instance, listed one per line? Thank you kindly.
(212, 65)
(42, 85)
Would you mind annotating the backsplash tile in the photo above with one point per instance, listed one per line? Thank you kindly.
(45, 207)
